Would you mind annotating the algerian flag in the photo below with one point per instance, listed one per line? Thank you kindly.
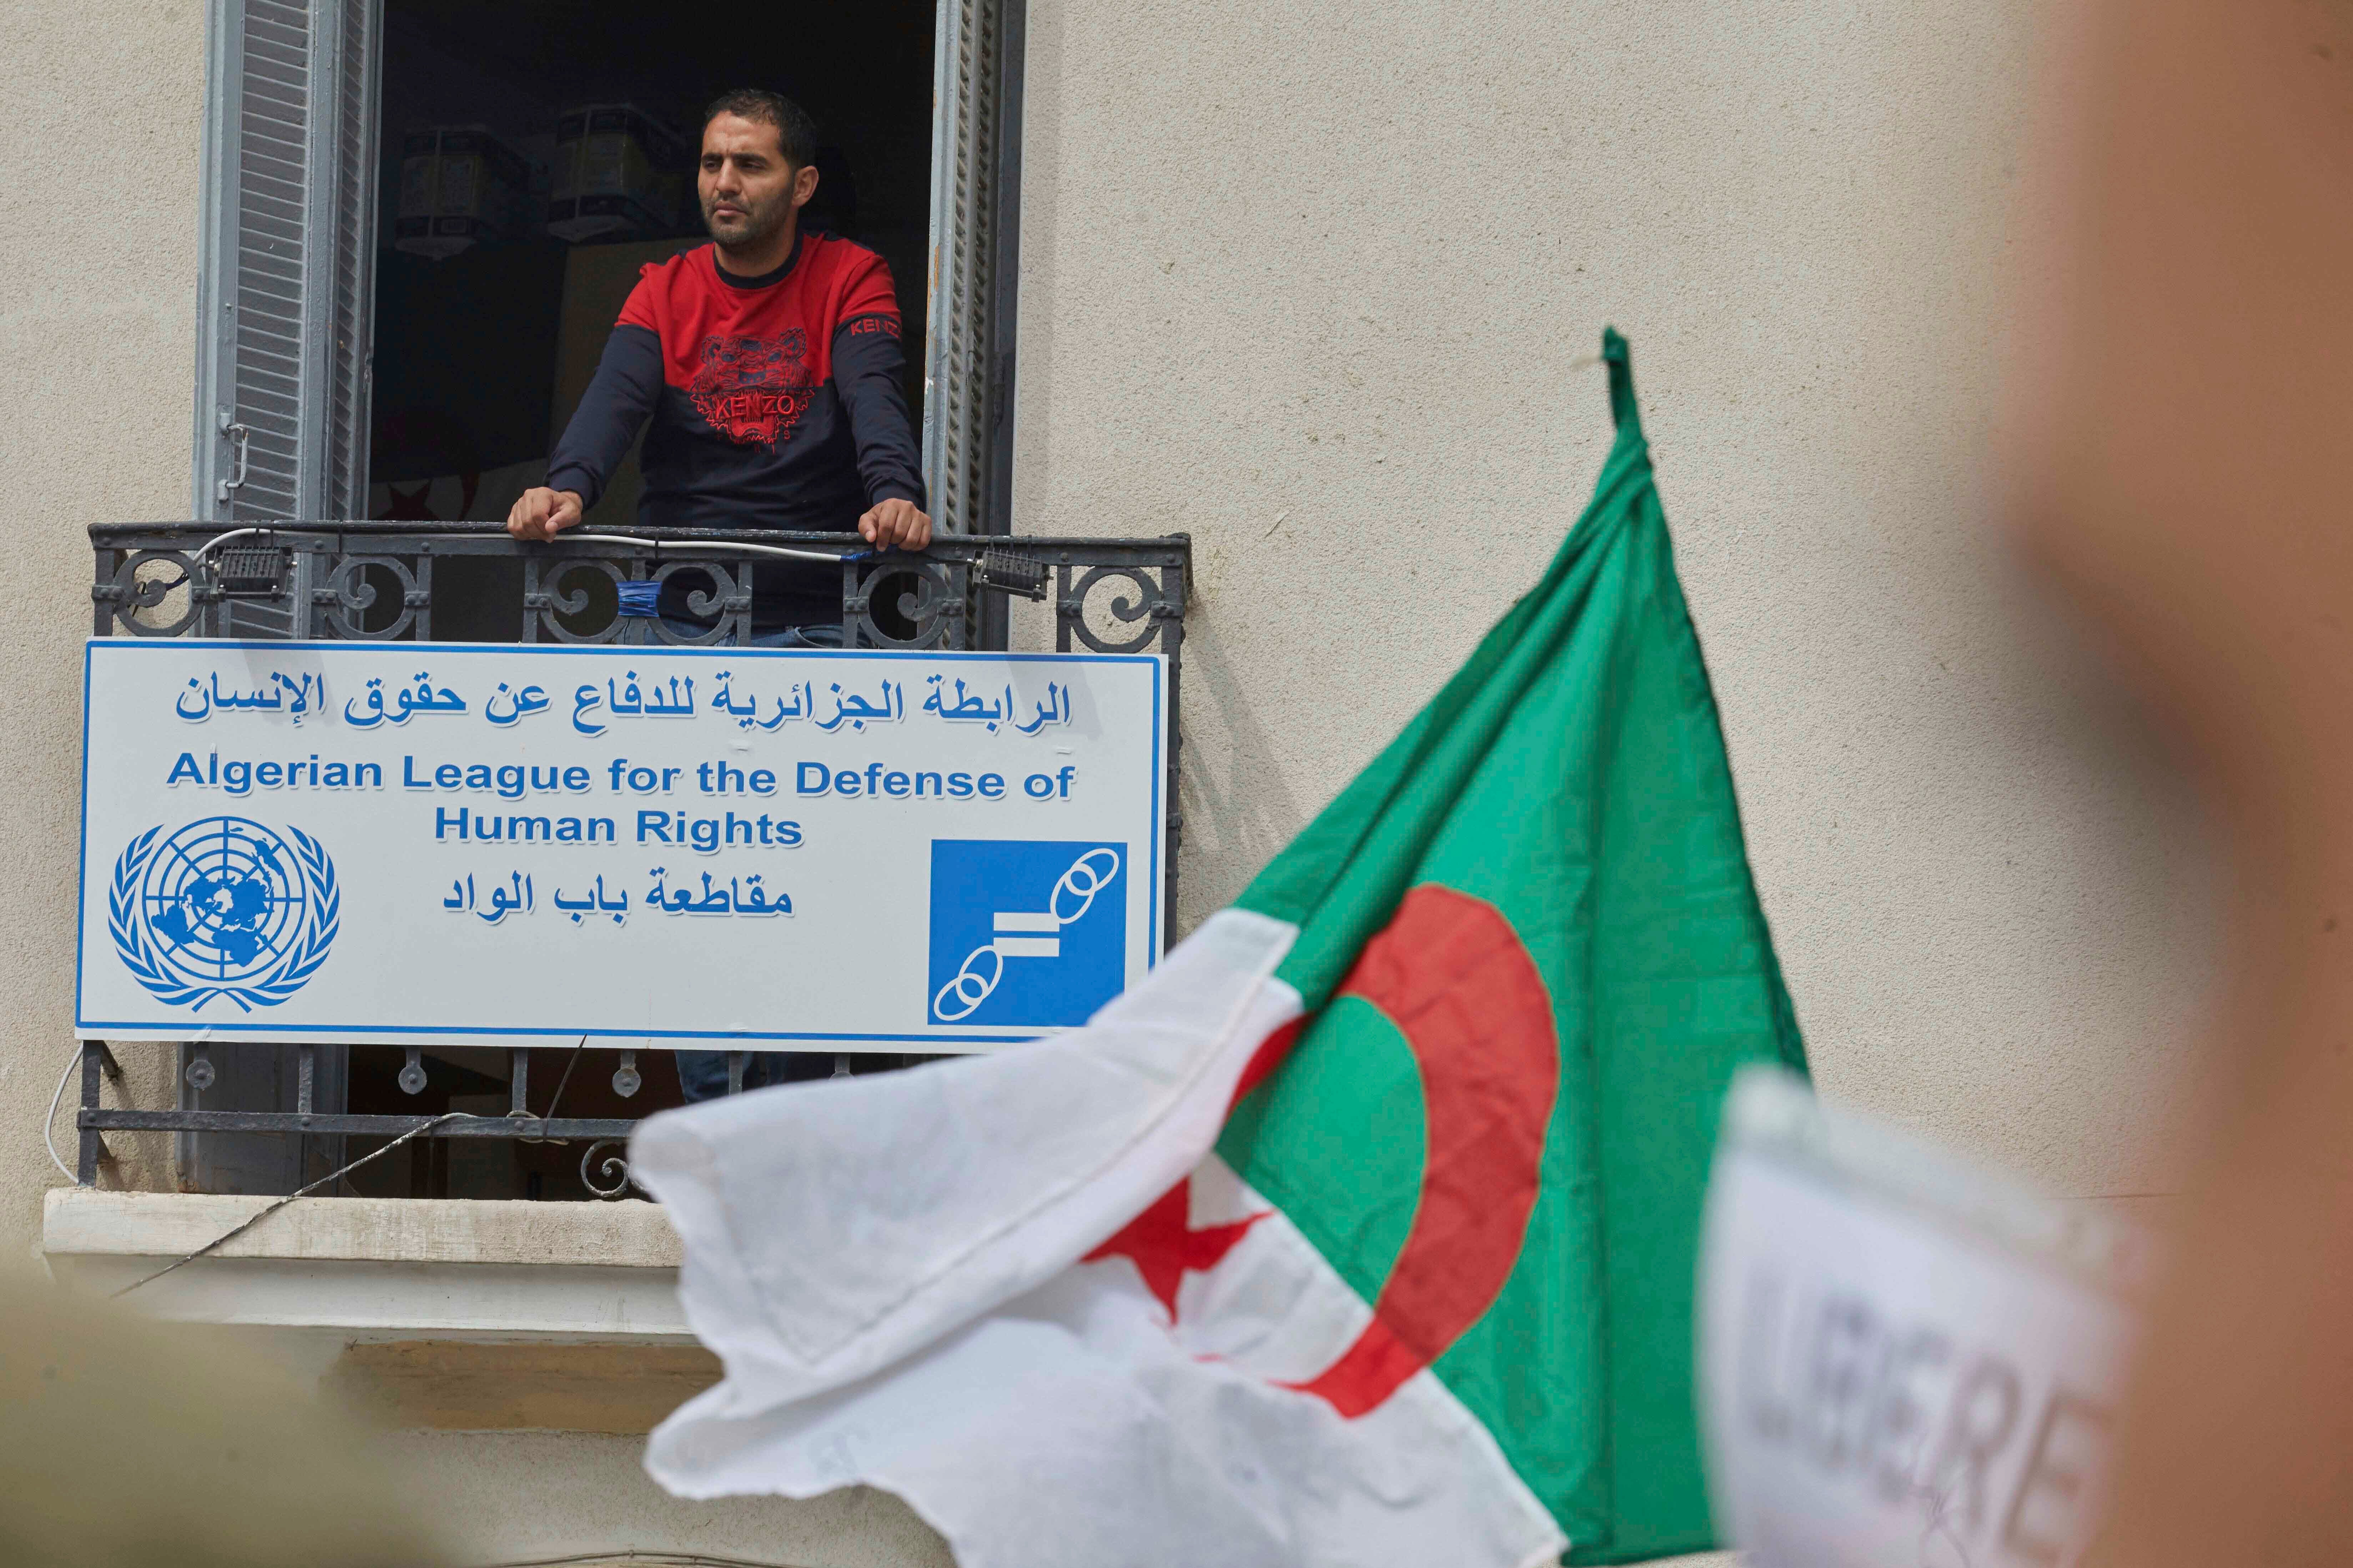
(1362, 1231)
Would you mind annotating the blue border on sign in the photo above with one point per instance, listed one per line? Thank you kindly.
(81, 809)
(1154, 896)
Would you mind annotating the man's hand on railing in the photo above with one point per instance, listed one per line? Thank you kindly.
(541, 513)
(888, 522)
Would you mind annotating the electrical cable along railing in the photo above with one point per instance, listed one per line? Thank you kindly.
(318, 1114)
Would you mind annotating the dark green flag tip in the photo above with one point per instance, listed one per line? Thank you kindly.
(1619, 358)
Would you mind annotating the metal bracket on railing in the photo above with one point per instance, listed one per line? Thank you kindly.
(255, 571)
(1007, 573)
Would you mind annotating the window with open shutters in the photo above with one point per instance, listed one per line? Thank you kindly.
(291, 221)
(303, 245)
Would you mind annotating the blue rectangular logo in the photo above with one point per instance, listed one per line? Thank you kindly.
(1026, 932)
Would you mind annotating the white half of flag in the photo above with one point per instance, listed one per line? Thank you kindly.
(889, 1269)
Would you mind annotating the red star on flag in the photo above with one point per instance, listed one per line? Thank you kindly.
(1164, 1247)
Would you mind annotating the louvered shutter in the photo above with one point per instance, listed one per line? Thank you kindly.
(289, 155)
(282, 345)
(976, 202)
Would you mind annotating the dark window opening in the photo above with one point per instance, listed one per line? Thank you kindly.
(534, 153)
(533, 156)
(479, 1082)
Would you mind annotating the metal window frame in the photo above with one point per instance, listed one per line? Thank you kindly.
(214, 468)
(972, 287)
(351, 146)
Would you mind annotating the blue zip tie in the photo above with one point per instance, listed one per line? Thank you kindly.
(638, 598)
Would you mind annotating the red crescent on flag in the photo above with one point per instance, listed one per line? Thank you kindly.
(1453, 977)
(1451, 972)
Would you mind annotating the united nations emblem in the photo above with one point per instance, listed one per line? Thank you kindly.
(224, 907)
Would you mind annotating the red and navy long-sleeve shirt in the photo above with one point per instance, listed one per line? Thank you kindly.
(776, 401)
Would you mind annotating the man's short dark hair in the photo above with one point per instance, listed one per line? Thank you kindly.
(795, 129)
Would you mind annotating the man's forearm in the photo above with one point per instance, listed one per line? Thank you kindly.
(868, 366)
(622, 393)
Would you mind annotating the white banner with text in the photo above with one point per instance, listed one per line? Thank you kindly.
(716, 847)
(1906, 1360)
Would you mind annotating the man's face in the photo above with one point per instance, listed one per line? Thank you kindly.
(748, 189)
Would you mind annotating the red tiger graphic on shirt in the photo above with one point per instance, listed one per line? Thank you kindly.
(752, 390)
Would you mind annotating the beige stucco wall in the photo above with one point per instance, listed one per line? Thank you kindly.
(100, 120)
(1309, 280)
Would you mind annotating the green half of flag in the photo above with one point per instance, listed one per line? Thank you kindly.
(1498, 1120)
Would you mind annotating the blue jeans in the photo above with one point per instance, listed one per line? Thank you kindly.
(799, 637)
(702, 1075)
(677, 591)
(781, 636)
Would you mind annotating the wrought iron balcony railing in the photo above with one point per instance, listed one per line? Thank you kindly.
(407, 582)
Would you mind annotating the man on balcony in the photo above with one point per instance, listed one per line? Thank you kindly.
(769, 363)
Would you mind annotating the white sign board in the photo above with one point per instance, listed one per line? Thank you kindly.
(1904, 1360)
(715, 848)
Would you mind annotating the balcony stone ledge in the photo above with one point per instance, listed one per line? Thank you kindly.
(380, 1268)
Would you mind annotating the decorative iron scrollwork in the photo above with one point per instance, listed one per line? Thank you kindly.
(556, 606)
(615, 1169)
(145, 580)
(1151, 601)
(924, 598)
(727, 601)
(351, 573)
(345, 595)
(549, 599)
